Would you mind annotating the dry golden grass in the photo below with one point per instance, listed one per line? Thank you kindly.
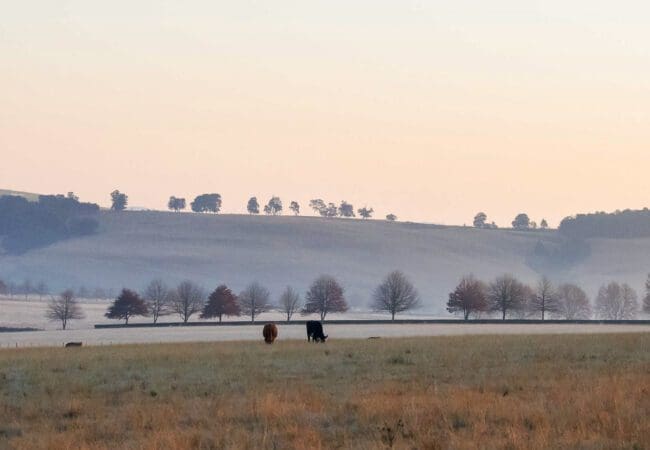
(532, 392)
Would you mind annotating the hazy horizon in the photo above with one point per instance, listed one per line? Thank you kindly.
(427, 110)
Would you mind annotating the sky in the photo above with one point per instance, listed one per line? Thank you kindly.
(431, 110)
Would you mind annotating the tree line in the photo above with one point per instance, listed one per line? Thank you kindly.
(506, 296)
(25, 225)
(325, 295)
(212, 203)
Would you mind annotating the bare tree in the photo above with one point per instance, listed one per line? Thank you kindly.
(506, 295)
(289, 302)
(254, 300)
(64, 308)
(324, 296)
(616, 302)
(545, 299)
(469, 297)
(3, 288)
(395, 294)
(573, 302)
(127, 305)
(158, 298)
(646, 299)
(187, 300)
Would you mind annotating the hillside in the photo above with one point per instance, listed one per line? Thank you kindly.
(28, 195)
(134, 247)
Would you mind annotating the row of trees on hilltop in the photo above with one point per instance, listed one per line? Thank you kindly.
(211, 203)
(520, 222)
(509, 297)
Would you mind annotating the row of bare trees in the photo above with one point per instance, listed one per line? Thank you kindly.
(509, 297)
(472, 298)
(324, 296)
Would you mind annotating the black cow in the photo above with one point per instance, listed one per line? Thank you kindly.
(73, 344)
(315, 331)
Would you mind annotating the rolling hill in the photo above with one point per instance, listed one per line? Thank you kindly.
(135, 246)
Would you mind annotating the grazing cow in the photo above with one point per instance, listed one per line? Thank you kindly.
(315, 331)
(73, 344)
(270, 333)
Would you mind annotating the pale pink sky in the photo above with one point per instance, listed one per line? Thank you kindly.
(428, 110)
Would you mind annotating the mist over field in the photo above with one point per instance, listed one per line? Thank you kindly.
(132, 247)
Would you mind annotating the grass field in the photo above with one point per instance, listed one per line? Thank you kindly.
(570, 391)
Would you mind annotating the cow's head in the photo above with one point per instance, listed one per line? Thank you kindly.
(324, 338)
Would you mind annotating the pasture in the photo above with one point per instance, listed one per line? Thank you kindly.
(492, 391)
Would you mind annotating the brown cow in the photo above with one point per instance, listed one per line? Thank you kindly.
(270, 333)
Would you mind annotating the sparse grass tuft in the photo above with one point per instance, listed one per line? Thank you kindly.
(532, 392)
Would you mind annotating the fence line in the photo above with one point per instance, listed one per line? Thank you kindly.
(240, 323)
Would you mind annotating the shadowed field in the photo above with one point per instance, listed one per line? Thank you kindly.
(570, 391)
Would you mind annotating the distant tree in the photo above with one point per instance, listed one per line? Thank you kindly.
(254, 300)
(533, 225)
(395, 294)
(545, 299)
(331, 210)
(83, 292)
(543, 224)
(26, 288)
(253, 207)
(479, 220)
(221, 302)
(319, 206)
(274, 206)
(187, 300)
(118, 200)
(346, 209)
(176, 203)
(158, 298)
(295, 207)
(127, 305)
(99, 294)
(324, 296)
(620, 224)
(469, 297)
(41, 289)
(206, 203)
(616, 302)
(289, 302)
(506, 295)
(521, 222)
(3, 288)
(646, 299)
(71, 195)
(391, 217)
(64, 308)
(573, 302)
(365, 212)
